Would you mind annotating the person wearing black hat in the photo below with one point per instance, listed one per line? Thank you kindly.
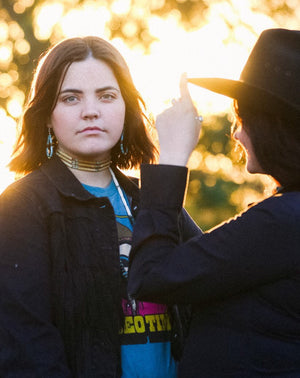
(242, 277)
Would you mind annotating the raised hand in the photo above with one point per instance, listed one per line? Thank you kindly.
(178, 129)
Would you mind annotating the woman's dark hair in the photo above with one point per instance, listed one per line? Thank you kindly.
(29, 152)
(275, 140)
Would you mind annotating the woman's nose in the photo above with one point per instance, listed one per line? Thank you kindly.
(91, 110)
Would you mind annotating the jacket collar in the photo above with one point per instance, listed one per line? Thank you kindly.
(69, 186)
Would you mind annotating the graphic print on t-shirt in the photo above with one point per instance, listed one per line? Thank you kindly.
(147, 322)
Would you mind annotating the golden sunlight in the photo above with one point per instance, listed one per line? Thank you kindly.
(212, 50)
(46, 17)
(7, 139)
(87, 20)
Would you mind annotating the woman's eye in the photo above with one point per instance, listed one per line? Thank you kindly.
(107, 96)
(69, 99)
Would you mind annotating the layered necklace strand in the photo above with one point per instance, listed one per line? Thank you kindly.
(116, 182)
(129, 214)
(83, 165)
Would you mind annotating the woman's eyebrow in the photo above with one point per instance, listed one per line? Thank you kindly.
(70, 90)
(109, 87)
(73, 90)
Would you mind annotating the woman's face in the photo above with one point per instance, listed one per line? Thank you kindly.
(89, 114)
(243, 138)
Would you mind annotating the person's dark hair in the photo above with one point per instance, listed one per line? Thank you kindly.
(29, 152)
(275, 141)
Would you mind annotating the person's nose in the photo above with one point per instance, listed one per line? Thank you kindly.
(91, 109)
(236, 134)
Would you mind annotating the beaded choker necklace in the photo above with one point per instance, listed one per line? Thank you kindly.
(83, 165)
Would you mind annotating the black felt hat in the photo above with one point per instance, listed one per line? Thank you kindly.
(270, 80)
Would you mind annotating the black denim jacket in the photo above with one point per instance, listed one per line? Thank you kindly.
(60, 277)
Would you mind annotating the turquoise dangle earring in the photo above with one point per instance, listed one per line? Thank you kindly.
(123, 150)
(49, 144)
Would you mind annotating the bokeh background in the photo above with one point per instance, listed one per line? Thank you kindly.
(159, 39)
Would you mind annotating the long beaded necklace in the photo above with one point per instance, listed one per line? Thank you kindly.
(130, 217)
(116, 182)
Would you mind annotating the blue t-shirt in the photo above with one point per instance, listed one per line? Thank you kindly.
(146, 334)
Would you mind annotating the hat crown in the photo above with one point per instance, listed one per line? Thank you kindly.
(274, 65)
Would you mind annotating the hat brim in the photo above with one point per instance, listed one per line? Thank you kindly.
(256, 97)
(226, 87)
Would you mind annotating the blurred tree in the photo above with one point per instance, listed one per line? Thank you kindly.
(217, 186)
(21, 43)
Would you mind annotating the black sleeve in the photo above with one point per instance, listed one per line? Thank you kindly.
(187, 227)
(234, 257)
(30, 344)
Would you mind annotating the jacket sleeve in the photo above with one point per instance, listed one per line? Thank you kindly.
(234, 257)
(30, 344)
(187, 227)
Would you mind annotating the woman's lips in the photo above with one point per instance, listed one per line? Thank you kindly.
(91, 130)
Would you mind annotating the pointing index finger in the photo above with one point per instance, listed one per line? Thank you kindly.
(184, 91)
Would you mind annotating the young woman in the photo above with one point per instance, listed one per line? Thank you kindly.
(65, 228)
(242, 277)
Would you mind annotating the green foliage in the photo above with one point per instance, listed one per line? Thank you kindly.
(219, 189)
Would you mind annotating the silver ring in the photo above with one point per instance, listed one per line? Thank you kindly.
(199, 118)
